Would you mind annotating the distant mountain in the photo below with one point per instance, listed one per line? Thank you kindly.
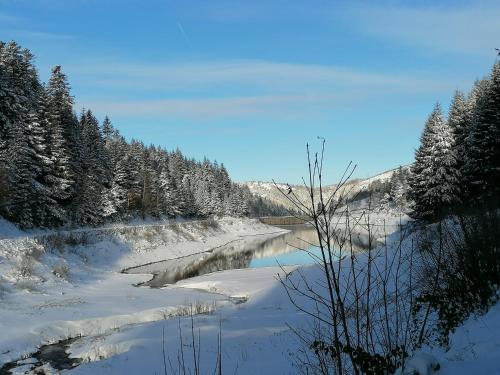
(355, 190)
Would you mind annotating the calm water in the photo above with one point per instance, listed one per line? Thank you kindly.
(293, 248)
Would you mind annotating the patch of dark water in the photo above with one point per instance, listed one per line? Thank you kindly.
(56, 355)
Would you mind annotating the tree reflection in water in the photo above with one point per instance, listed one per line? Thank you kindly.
(294, 247)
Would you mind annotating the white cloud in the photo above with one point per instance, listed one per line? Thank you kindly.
(214, 107)
(4, 18)
(472, 28)
(264, 75)
(31, 34)
(250, 87)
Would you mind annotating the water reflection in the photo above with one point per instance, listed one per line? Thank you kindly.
(293, 248)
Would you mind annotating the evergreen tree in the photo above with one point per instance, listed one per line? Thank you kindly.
(56, 169)
(434, 180)
(90, 201)
(171, 200)
(108, 131)
(459, 123)
(47, 211)
(483, 141)
(187, 202)
(64, 139)
(22, 142)
(398, 188)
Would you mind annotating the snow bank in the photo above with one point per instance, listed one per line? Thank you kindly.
(56, 285)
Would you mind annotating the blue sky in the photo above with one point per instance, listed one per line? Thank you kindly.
(248, 83)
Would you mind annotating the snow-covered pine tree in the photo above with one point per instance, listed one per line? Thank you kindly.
(118, 192)
(55, 169)
(433, 181)
(150, 188)
(108, 131)
(4, 94)
(109, 137)
(47, 211)
(116, 164)
(23, 144)
(157, 161)
(89, 203)
(444, 189)
(63, 139)
(4, 113)
(187, 206)
(22, 172)
(483, 141)
(204, 185)
(9, 108)
(238, 204)
(398, 189)
(170, 194)
(422, 169)
(177, 166)
(135, 177)
(459, 123)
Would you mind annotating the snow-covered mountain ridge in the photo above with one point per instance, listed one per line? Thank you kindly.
(270, 190)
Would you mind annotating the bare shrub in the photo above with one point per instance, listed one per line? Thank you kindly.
(174, 227)
(26, 267)
(61, 270)
(180, 231)
(210, 223)
(181, 366)
(60, 240)
(197, 308)
(463, 255)
(148, 234)
(29, 285)
(362, 308)
(54, 241)
(75, 239)
(33, 249)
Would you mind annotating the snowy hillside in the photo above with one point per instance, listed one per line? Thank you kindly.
(352, 188)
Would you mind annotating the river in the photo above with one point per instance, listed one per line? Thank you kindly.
(296, 247)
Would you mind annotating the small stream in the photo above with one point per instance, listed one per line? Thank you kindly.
(55, 355)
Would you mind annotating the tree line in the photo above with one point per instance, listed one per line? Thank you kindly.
(59, 168)
(457, 165)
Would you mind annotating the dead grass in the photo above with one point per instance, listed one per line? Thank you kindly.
(197, 308)
(26, 267)
(59, 241)
(29, 285)
(61, 270)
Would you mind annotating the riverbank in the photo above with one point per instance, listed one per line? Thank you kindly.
(51, 291)
(114, 327)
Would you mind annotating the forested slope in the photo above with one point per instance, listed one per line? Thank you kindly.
(59, 168)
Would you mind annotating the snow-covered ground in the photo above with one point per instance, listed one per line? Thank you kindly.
(51, 290)
(47, 295)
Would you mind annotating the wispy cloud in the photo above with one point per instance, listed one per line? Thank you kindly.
(250, 88)
(8, 18)
(215, 107)
(31, 34)
(470, 28)
(265, 75)
(37, 35)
